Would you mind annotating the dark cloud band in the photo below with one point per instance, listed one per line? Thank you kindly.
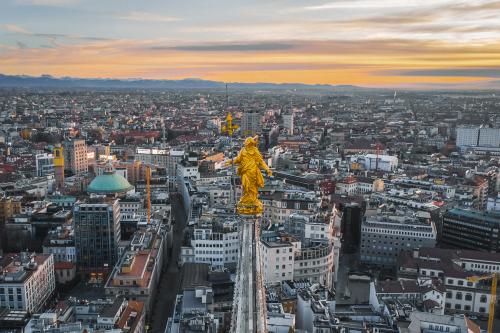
(493, 72)
(229, 47)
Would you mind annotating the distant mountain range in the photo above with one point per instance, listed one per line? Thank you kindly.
(48, 81)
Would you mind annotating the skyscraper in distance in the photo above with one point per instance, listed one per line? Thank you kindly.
(251, 123)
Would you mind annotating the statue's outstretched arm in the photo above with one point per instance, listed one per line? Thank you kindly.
(236, 160)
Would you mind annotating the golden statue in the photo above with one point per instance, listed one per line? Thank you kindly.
(249, 162)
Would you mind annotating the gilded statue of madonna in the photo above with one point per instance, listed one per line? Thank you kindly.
(250, 163)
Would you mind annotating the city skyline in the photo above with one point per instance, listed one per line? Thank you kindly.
(415, 44)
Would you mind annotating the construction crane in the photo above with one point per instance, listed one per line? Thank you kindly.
(493, 295)
(148, 191)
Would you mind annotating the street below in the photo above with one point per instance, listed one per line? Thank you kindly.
(170, 281)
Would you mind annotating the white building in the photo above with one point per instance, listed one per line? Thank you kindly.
(220, 194)
(176, 155)
(287, 259)
(371, 162)
(152, 156)
(478, 137)
(359, 186)
(489, 137)
(27, 281)
(467, 136)
(188, 170)
(130, 206)
(214, 243)
(316, 264)
(429, 322)
(278, 261)
(280, 204)
(44, 164)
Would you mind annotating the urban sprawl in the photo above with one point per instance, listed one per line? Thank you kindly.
(118, 213)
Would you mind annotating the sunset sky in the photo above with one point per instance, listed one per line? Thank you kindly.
(379, 43)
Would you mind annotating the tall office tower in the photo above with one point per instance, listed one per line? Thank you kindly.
(351, 228)
(44, 164)
(97, 234)
(251, 123)
(288, 123)
(75, 155)
(58, 157)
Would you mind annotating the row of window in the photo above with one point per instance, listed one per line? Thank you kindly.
(466, 307)
(215, 252)
(488, 267)
(10, 291)
(459, 282)
(468, 297)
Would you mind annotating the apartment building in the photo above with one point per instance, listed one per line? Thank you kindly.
(214, 241)
(384, 236)
(280, 204)
(452, 268)
(137, 272)
(75, 156)
(27, 281)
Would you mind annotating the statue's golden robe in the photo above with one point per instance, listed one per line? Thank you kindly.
(250, 162)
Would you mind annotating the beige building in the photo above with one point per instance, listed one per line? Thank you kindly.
(8, 207)
(27, 281)
(75, 156)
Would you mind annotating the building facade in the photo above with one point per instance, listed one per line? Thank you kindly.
(383, 237)
(75, 156)
(470, 229)
(27, 281)
(251, 123)
(44, 164)
(97, 234)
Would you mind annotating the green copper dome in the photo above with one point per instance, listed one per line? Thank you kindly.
(109, 183)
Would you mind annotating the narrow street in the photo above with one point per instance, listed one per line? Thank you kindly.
(171, 280)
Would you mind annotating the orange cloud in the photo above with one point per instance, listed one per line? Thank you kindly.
(370, 62)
